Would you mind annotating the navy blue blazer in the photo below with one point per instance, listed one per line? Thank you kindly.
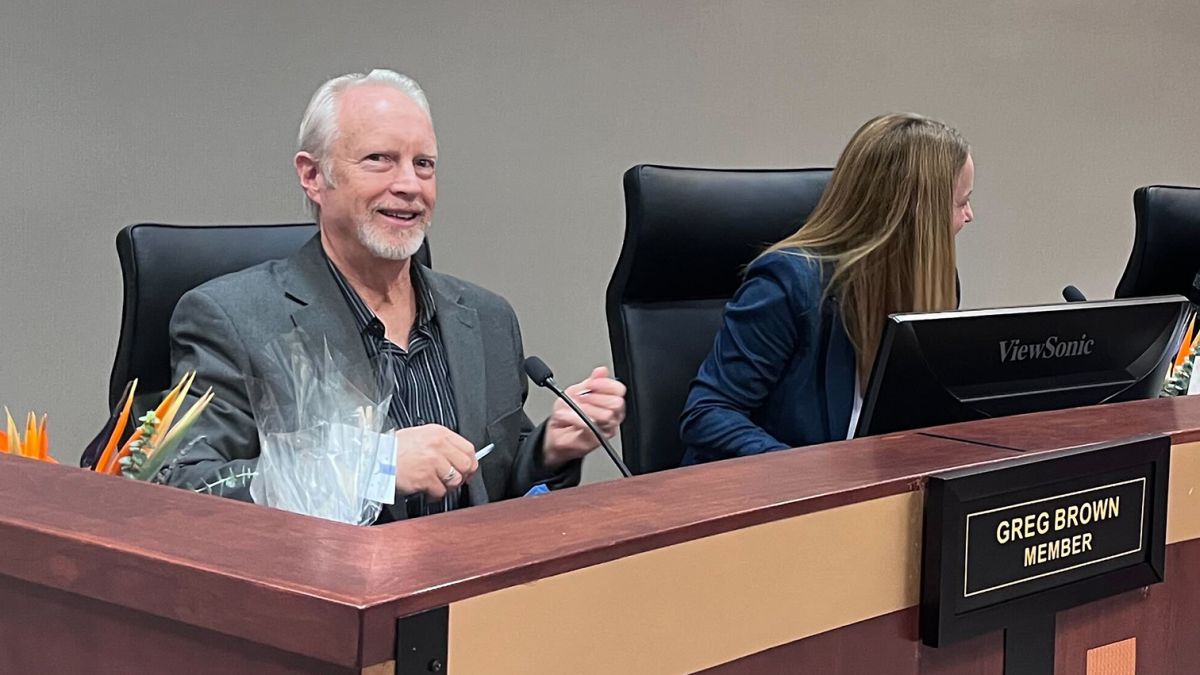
(781, 371)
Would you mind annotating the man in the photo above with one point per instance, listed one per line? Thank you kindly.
(448, 351)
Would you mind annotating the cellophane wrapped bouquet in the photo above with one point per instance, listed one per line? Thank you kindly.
(323, 452)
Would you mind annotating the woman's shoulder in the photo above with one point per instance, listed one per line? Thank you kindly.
(795, 268)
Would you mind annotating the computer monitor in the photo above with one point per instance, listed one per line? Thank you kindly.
(948, 367)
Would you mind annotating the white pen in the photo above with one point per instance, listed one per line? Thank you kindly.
(450, 500)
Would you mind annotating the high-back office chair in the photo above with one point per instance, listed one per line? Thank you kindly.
(1166, 244)
(689, 233)
(159, 263)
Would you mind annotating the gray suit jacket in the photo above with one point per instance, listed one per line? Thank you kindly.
(219, 329)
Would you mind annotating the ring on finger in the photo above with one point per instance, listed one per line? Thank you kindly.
(450, 475)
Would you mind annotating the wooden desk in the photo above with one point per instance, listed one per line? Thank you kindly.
(799, 561)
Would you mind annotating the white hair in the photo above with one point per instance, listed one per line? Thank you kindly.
(318, 127)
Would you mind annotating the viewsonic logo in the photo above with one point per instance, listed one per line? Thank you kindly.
(1052, 347)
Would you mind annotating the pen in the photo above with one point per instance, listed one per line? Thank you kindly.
(450, 500)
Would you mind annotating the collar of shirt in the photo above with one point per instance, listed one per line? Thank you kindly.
(370, 324)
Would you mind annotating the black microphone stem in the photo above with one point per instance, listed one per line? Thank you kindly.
(612, 454)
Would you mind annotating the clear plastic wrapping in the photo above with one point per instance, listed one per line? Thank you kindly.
(319, 427)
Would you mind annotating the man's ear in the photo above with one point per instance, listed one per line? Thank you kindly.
(308, 170)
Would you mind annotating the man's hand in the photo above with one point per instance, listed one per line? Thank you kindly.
(567, 437)
(432, 459)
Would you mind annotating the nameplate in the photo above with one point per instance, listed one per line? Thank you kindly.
(1041, 533)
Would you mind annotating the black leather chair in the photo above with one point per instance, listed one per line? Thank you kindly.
(159, 263)
(689, 233)
(1166, 244)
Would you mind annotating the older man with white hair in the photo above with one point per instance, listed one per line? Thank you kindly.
(448, 352)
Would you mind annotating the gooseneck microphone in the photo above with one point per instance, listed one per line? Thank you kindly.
(539, 373)
(1072, 294)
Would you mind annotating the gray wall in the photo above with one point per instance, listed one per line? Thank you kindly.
(122, 111)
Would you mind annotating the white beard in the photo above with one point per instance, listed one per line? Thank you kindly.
(388, 249)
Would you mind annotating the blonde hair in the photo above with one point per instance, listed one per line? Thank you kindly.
(884, 226)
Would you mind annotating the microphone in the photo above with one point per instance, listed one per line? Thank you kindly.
(1072, 294)
(539, 373)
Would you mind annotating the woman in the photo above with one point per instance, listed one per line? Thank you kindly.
(799, 338)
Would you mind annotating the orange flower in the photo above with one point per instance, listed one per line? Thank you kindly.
(36, 442)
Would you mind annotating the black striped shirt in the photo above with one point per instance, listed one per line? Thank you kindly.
(418, 378)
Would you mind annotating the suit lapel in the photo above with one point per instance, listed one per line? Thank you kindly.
(459, 326)
(320, 309)
(839, 389)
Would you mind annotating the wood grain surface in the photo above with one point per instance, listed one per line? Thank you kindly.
(332, 592)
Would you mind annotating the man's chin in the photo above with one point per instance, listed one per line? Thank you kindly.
(392, 246)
